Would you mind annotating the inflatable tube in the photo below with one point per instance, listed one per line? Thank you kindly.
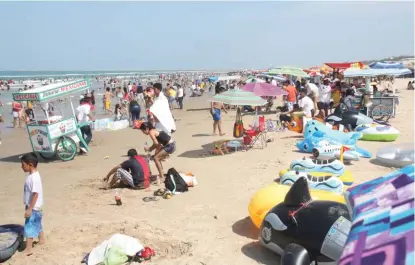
(295, 254)
(347, 177)
(269, 196)
(399, 155)
(378, 132)
(330, 183)
(313, 165)
(11, 237)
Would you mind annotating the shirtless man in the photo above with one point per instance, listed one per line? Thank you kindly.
(107, 101)
(215, 111)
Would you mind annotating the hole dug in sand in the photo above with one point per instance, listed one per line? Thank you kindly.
(88, 235)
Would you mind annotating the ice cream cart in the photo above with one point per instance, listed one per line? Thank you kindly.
(52, 135)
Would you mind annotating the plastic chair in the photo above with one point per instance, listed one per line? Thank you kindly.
(257, 134)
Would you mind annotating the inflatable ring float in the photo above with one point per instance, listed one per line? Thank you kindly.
(269, 196)
(11, 238)
(332, 166)
(347, 177)
(398, 155)
(377, 132)
(330, 183)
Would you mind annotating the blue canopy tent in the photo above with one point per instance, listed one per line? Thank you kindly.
(386, 65)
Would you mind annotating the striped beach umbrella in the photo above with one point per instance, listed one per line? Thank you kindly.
(238, 98)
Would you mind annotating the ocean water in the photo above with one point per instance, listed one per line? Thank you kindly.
(44, 74)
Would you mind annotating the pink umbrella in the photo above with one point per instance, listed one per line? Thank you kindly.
(264, 89)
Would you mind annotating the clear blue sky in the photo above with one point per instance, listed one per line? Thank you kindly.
(199, 35)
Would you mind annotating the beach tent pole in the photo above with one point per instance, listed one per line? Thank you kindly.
(73, 111)
(47, 114)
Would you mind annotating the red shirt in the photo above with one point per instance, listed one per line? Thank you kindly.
(292, 93)
(146, 169)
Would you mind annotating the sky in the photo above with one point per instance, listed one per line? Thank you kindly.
(200, 35)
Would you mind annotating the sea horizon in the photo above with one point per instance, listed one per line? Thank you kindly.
(69, 73)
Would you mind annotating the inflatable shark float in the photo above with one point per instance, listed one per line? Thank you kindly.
(321, 141)
(302, 230)
(349, 119)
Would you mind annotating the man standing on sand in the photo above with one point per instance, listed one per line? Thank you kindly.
(107, 101)
(291, 96)
(313, 93)
(84, 116)
(161, 112)
(324, 100)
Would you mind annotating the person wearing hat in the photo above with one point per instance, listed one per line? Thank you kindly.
(133, 172)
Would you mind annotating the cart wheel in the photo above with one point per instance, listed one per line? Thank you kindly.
(66, 149)
(47, 156)
(381, 112)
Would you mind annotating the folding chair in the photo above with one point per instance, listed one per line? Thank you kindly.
(257, 135)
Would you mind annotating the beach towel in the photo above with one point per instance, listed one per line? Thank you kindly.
(161, 110)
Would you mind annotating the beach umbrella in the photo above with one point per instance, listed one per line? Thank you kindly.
(254, 80)
(276, 77)
(238, 98)
(386, 65)
(288, 71)
(264, 89)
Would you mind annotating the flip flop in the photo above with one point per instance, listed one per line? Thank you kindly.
(160, 192)
(150, 199)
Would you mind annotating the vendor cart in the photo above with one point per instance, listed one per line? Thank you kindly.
(51, 135)
(380, 108)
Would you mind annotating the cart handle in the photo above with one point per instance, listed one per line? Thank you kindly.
(83, 124)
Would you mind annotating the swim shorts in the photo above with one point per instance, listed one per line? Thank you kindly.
(107, 105)
(216, 114)
(170, 148)
(33, 225)
(125, 176)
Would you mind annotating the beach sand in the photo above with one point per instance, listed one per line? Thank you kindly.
(207, 225)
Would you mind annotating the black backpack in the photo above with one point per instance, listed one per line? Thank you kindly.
(174, 182)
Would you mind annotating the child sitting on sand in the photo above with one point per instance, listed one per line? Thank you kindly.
(33, 200)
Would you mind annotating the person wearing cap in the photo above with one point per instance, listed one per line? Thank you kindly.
(131, 173)
(324, 99)
(306, 104)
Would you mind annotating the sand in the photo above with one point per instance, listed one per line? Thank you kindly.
(208, 225)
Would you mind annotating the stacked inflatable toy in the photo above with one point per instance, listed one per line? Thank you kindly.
(316, 132)
(303, 230)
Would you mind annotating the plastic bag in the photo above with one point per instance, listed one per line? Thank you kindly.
(115, 256)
